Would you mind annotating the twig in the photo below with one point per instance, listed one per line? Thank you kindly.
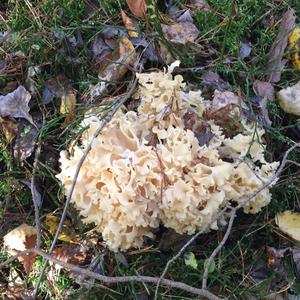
(102, 124)
(216, 217)
(33, 190)
(117, 279)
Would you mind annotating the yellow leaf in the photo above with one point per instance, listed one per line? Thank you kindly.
(67, 106)
(289, 223)
(52, 224)
(129, 24)
(294, 48)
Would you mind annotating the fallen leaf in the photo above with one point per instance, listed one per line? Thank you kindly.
(199, 5)
(190, 260)
(276, 63)
(65, 235)
(138, 8)
(180, 33)
(123, 57)
(245, 50)
(129, 24)
(70, 253)
(294, 48)
(15, 104)
(225, 110)
(289, 99)
(212, 81)
(264, 92)
(211, 267)
(289, 223)
(264, 89)
(9, 128)
(25, 141)
(68, 106)
(20, 239)
(185, 16)
(100, 48)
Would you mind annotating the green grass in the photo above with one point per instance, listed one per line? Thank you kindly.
(41, 31)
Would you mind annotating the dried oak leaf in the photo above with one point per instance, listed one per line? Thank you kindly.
(15, 104)
(180, 33)
(138, 8)
(130, 25)
(20, 239)
(276, 62)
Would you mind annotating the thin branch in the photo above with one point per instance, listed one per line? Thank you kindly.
(33, 190)
(102, 124)
(117, 279)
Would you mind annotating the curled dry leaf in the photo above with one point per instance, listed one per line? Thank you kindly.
(294, 48)
(138, 8)
(180, 33)
(20, 239)
(15, 104)
(289, 223)
(276, 63)
(129, 24)
(289, 99)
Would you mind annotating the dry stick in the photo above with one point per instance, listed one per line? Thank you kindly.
(235, 209)
(102, 123)
(216, 217)
(33, 192)
(117, 279)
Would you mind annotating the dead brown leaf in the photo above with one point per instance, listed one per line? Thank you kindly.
(225, 110)
(276, 62)
(129, 24)
(15, 104)
(199, 5)
(70, 253)
(180, 33)
(114, 70)
(138, 8)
